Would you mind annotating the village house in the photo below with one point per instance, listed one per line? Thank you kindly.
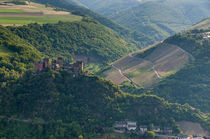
(168, 130)
(143, 128)
(122, 126)
(183, 137)
(131, 125)
(206, 35)
(197, 137)
(156, 129)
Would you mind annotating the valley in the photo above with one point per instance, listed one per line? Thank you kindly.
(68, 72)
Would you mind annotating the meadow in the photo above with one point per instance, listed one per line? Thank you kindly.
(17, 15)
(23, 20)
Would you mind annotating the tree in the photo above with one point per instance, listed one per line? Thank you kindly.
(149, 135)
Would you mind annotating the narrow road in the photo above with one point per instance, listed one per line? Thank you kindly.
(121, 73)
(20, 120)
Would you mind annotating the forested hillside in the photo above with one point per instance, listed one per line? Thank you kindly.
(109, 7)
(191, 84)
(160, 19)
(54, 104)
(87, 37)
(139, 38)
(16, 56)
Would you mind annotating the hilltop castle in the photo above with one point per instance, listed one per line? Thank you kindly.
(76, 67)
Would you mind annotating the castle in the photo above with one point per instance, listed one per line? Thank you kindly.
(58, 64)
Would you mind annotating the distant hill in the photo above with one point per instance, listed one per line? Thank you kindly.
(160, 19)
(109, 7)
(55, 104)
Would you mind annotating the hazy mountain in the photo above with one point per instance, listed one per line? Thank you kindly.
(109, 7)
(160, 19)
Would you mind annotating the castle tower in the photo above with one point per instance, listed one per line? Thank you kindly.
(46, 63)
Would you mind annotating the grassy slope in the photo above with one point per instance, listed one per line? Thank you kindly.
(161, 19)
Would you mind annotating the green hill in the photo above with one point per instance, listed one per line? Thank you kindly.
(16, 56)
(139, 38)
(53, 104)
(109, 7)
(191, 84)
(85, 38)
(160, 19)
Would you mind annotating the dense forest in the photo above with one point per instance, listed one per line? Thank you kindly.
(162, 18)
(87, 37)
(57, 105)
(16, 56)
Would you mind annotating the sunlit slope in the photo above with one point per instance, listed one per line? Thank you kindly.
(190, 84)
(148, 66)
(11, 14)
(204, 24)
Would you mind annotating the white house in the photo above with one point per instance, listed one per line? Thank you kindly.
(183, 137)
(197, 137)
(120, 124)
(143, 128)
(131, 125)
(156, 129)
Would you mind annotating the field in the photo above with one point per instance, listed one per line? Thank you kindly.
(148, 66)
(11, 14)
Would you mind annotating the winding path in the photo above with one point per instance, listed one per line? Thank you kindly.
(121, 73)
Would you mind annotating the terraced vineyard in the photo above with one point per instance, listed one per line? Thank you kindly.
(149, 66)
(11, 14)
